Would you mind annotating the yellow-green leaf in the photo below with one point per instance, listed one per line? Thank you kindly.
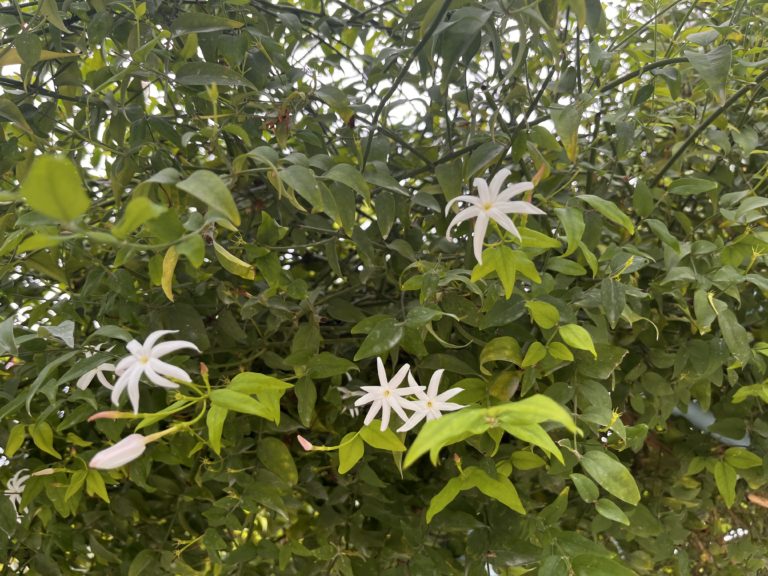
(53, 187)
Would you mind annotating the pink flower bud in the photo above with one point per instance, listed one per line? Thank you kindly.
(306, 444)
(127, 450)
(114, 414)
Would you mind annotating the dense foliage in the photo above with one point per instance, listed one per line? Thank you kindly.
(270, 179)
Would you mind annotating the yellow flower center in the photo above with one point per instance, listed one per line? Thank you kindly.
(429, 403)
(144, 359)
(487, 206)
(386, 393)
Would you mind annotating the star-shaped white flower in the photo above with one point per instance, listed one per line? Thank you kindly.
(430, 405)
(85, 380)
(15, 488)
(491, 204)
(145, 359)
(387, 396)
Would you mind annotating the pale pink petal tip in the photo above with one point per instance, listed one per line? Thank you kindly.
(306, 444)
(125, 451)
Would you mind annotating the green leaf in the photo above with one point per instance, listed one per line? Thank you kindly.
(483, 156)
(566, 120)
(50, 10)
(613, 298)
(326, 365)
(385, 211)
(543, 313)
(94, 485)
(53, 187)
(207, 73)
(232, 263)
(504, 348)
(713, 67)
(349, 176)
(587, 489)
(351, 449)
(560, 351)
(11, 112)
(735, 336)
(609, 210)
(239, 402)
(742, 459)
(533, 410)
(497, 487)
(214, 420)
(140, 209)
(306, 394)
(536, 353)
(7, 340)
(446, 495)
(440, 432)
(42, 436)
(384, 336)
(29, 47)
(15, 439)
(536, 435)
(256, 383)
(577, 337)
(211, 190)
(142, 562)
(725, 479)
(189, 22)
(303, 180)
(386, 440)
(275, 455)
(573, 224)
(596, 565)
(609, 509)
(611, 475)
(525, 460)
(76, 483)
(691, 186)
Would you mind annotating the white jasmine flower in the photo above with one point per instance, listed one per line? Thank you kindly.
(125, 451)
(491, 204)
(145, 359)
(15, 488)
(85, 380)
(430, 405)
(387, 396)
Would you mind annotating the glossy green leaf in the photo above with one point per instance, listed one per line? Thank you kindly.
(211, 190)
(53, 187)
(611, 475)
(725, 479)
(609, 210)
(577, 337)
(214, 420)
(351, 449)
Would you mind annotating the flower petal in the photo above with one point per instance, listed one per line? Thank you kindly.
(381, 371)
(127, 450)
(125, 364)
(120, 385)
(396, 405)
(385, 412)
(466, 214)
(399, 376)
(372, 411)
(449, 406)
(133, 388)
(85, 379)
(149, 343)
(134, 347)
(481, 226)
(434, 383)
(165, 369)
(415, 418)
(482, 190)
(514, 190)
(504, 221)
(518, 207)
(448, 394)
(498, 181)
(158, 380)
(171, 346)
(367, 398)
